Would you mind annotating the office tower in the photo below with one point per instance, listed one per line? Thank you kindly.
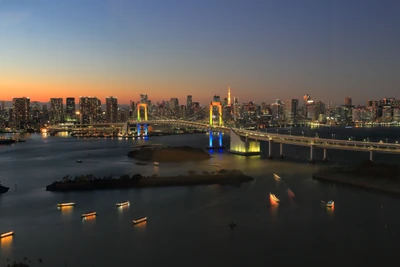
(174, 103)
(189, 105)
(3, 105)
(290, 109)
(70, 109)
(21, 112)
(143, 98)
(56, 110)
(229, 95)
(88, 109)
(236, 100)
(217, 98)
(111, 109)
(348, 101)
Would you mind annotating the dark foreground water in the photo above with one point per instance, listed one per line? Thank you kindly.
(188, 226)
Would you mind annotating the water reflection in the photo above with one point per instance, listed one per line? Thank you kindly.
(273, 207)
(330, 211)
(6, 244)
(66, 211)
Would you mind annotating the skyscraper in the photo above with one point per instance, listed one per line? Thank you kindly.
(189, 105)
(143, 98)
(88, 107)
(70, 108)
(229, 95)
(56, 110)
(21, 112)
(348, 101)
(290, 108)
(111, 109)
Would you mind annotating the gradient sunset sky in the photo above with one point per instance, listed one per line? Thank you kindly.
(171, 48)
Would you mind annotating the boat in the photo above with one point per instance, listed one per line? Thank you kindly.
(144, 219)
(274, 198)
(122, 204)
(141, 163)
(330, 203)
(290, 192)
(6, 141)
(79, 161)
(11, 233)
(277, 177)
(3, 189)
(66, 204)
(156, 163)
(84, 215)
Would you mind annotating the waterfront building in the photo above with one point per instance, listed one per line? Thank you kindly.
(70, 109)
(56, 110)
(111, 109)
(290, 110)
(89, 109)
(20, 112)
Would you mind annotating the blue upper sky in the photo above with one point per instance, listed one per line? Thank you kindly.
(170, 48)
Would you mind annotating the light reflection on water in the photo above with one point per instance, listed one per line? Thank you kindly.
(6, 244)
(194, 216)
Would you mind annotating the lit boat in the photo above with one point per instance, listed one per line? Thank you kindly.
(290, 192)
(7, 234)
(79, 161)
(139, 220)
(67, 204)
(330, 203)
(274, 198)
(277, 177)
(88, 214)
(156, 163)
(122, 204)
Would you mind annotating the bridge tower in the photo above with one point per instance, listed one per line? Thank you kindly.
(142, 128)
(220, 123)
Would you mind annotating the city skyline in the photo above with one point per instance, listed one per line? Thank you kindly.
(266, 50)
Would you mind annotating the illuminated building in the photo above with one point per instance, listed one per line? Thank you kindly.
(290, 110)
(189, 105)
(70, 109)
(89, 109)
(21, 112)
(111, 109)
(229, 95)
(56, 110)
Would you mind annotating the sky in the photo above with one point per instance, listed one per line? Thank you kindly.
(264, 49)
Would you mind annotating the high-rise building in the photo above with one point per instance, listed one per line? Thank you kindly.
(217, 98)
(89, 109)
(291, 107)
(189, 105)
(111, 109)
(174, 103)
(56, 110)
(348, 101)
(229, 95)
(3, 105)
(21, 112)
(143, 98)
(70, 109)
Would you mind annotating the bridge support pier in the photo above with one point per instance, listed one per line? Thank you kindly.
(270, 149)
(371, 153)
(311, 159)
(281, 155)
(138, 129)
(243, 146)
(325, 158)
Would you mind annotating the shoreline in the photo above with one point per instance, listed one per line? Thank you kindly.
(142, 182)
(368, 183)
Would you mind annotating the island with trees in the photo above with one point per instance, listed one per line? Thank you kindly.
(368, 175)
(91, 182)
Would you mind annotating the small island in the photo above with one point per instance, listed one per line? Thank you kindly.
(367, 175)
(90, 182)
(169, 154)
